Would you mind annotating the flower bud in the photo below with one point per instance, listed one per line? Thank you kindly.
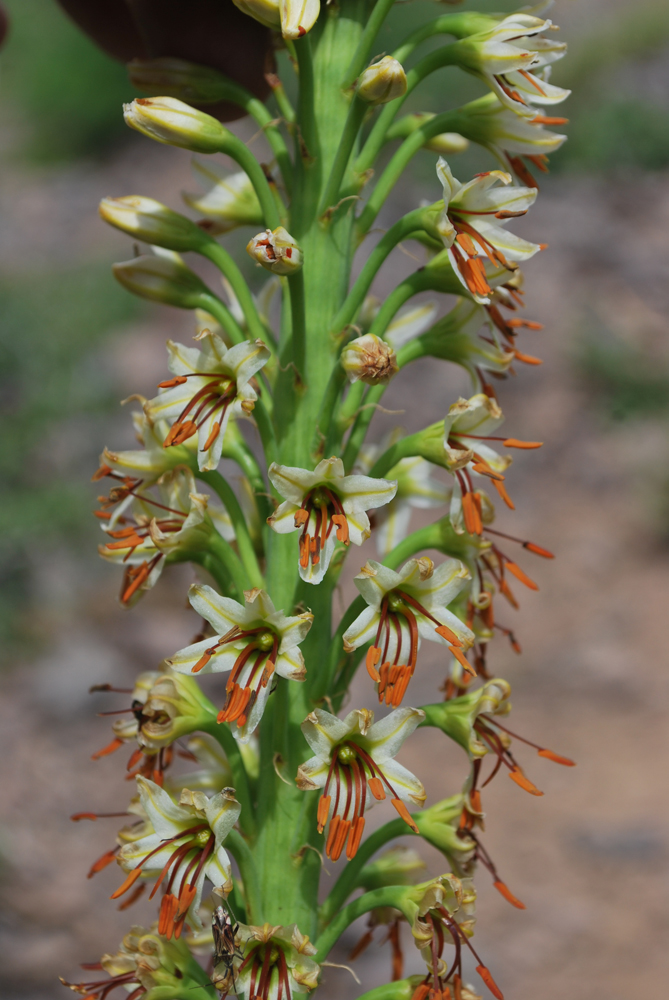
(370, 360)
(161, 279)
(276, 250)
(175, 707)
(439, 826)
(264, 11)
(229, 200)
(383, 81)
(149, 221)
(446, 143)
(170, 121)
(298, 17)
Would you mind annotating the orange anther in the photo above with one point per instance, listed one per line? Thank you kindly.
(538, 551)
(515, 443)
(342, 528)
(446, 633)
(527, 359)
(501, 489)
(376, 788)
(215, 430)
(301, 517)
(466, 243)
(171, 382)
(373, 657)
(323, 810)
(462, 660)
(110, 748)
(520, 575)
(505, 589)
(471, 515)
(332, 833)
(517, 775)
(490, 982)
(421, 992)
(202, 662)
(508, 895)
(343, 831)
(188, 894)
(75, 817)
(355, 837)
(557, 759)
(404, 813)
(102, 862)
(131, 879)
(132, 898)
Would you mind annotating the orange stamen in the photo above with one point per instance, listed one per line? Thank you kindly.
(557, 759)
(517, 775)
(332, 833)
(373, 657)
(171, 382)
(323, 810)
(342, 528)
(404, 813)
(132, 898)
(202, 662)
(355, 837)
(538, 551)
(490, 982)
(110, 748)
(505, 589)
(215, 430)
(301, 517)
(520, 575)
(527, 359)
(342, 835)
(501, 489)
(102, 862)
(508, 895)
(445, 632)
(131, 879)
(376, 788)
(462, 660)
(515, 443)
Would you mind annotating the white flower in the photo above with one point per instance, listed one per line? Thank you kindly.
(471, 225)
(253, 641)
(352, 758)
(403, 608)
(229, 200)
(323, 500)
(173, 516)
(298, 17)
(469, 424)
(184, 849)
(274, 963)
(211, 383)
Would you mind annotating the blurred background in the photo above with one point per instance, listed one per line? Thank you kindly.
(589, 859)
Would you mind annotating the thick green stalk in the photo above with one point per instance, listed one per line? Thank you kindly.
(244, 544)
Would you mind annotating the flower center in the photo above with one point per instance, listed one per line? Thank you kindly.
(321, 511)
(212, 398)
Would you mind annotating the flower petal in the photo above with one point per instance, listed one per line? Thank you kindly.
(386, 736)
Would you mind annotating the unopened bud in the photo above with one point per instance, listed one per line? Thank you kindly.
(276, 250)
(149, 221)
(447, 143)
(370, 360)
(383, 81)
(169, 120)
(265, 11)
(444, 143)
(177, 78)
(298, 17)
(229, 200)
(161, 279)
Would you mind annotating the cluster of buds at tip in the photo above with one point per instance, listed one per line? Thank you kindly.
(370, 360)
(382, 82)
(354, 766)
(401, 609)
(276, 251)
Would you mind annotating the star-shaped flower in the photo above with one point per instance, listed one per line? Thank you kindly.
(471, 225)
(170, 517)
(210, 384)
(327, 506)
(403, 608)
(252, 641)
(185, 847)
(354, 757)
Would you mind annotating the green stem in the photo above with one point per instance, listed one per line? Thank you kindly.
(349, 878)
(418, 541)
(282, 100)
(398, 232)
(325, 421)
(236, 149)
(354, 120)
(266, 431)
(229, 558)
(388, 896)
(245, 545)
(361, 54)
(237, 450)
(401, 989)
(299, 332)
(218, 309)
(219, 256)
(243, 855)
(223, 734)
(308, 154)
(361, 426)
(441, 123)
(415, 283)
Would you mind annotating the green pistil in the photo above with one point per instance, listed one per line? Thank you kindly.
(265, 641)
